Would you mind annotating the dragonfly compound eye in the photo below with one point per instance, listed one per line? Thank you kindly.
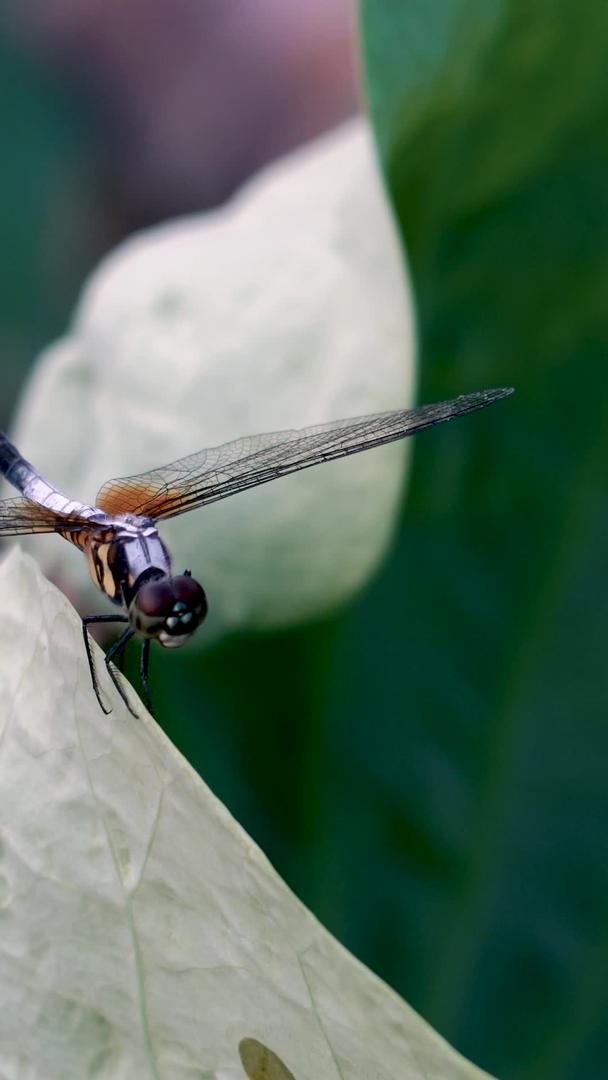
(169, 609)
(187, 612)
(152, 604)
(189, 592)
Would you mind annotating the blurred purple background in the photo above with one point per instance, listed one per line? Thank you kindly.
(186, 98)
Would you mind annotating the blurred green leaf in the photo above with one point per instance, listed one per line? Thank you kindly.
(483, 784)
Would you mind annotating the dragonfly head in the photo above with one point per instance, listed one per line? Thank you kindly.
(168, 609)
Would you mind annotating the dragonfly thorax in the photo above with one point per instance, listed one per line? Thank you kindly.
(168, 609)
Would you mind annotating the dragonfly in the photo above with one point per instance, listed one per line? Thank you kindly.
(119, 537)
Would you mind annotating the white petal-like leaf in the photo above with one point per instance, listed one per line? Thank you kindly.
(288, 307)
(143, 934)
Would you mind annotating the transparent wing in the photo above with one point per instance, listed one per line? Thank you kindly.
(216, 473)
(20, 517)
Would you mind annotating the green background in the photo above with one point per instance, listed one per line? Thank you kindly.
(427, 768)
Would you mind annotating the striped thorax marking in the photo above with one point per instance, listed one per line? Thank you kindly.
(101, 560)
(118, 551)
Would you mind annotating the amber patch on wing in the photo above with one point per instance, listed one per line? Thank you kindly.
(260, 1063)
(125, 497)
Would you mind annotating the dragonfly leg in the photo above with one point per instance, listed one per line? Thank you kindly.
(117, 649)
(86, 622)
(119, 661)
(144, 672)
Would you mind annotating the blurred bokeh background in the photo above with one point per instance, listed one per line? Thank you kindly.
(427, 768)
(115, 117)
